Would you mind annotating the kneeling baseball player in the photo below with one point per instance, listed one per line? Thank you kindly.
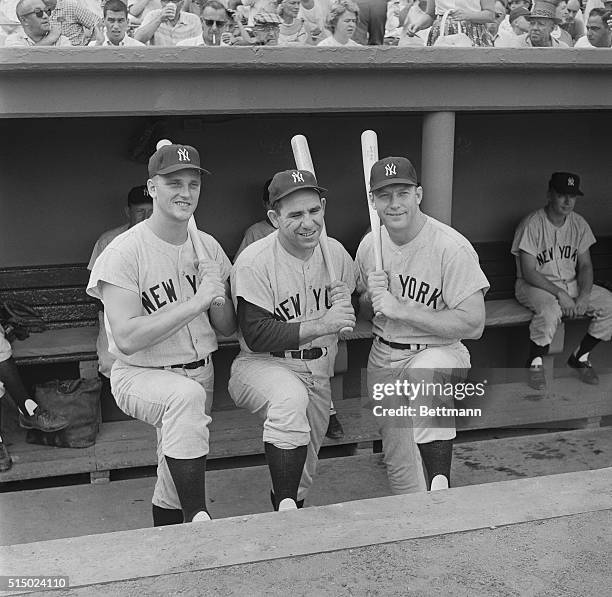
(429, 297)
(162, 289)
(289, 314)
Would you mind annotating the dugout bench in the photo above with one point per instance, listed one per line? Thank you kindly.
(58, 293)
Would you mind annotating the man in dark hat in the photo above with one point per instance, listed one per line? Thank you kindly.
(428, 296)
(158, 282)
(542, 22)
(555, 278)
(289, 314)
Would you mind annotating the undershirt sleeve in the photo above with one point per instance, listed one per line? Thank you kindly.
(262, 332)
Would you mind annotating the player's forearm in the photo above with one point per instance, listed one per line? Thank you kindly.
(539, 281)
(585, 280)
(311, 330)
(145, 32)
(223, 318)
(137, 333)
(450, 323)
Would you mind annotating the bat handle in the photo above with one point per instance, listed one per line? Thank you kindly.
(346, 330)
(218, 302)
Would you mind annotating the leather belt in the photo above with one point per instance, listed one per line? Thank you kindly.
(401, 345)
(307, 354)
(193, 365)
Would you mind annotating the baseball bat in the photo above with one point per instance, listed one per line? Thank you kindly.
(303, 161)
(369, 155)
(194, 236)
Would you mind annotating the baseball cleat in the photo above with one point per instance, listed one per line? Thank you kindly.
(287, 504)
(299, 503)
(201, 516)
(585, 370)
(439, 482)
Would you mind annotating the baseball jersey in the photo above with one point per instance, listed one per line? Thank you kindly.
(269, 277)
(161, 274)
(556, 249)
(436, 271)
(105, 358)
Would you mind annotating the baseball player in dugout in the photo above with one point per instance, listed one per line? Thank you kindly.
(555, 278)
(139, 207)
(162, 305)
(429, 296)
(289, 314)
(259, 230)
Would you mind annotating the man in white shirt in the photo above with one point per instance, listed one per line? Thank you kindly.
(34, 18)
(598, 33)
(115, 27)
(215, 20)
(501, 38)
(168, 25)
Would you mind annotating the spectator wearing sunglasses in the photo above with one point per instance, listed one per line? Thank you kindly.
(34, 17)
(215, 22)
(168, 25)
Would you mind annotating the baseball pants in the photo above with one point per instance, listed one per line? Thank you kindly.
(292, 397)
(547, 313)
(177, 402)
(400, 435)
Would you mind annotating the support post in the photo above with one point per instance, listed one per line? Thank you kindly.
(438, 152)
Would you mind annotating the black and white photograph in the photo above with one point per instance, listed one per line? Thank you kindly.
(306, 297)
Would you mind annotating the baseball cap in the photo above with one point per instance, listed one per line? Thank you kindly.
(521, 11)
(288, 181)
(174, 157)
(392, 170)
(565, 183)
(139, 194)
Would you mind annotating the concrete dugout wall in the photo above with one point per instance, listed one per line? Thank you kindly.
(64, 181)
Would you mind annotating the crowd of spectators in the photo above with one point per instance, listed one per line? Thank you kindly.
(327, 23)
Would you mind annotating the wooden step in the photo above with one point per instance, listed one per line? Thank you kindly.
(129, 444)
(234, 433)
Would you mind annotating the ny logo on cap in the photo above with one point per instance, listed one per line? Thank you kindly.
(570, 181)
(390, 169)
(297, 177)
(183, 155)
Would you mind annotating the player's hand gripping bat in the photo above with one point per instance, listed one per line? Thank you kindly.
(303, 161)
